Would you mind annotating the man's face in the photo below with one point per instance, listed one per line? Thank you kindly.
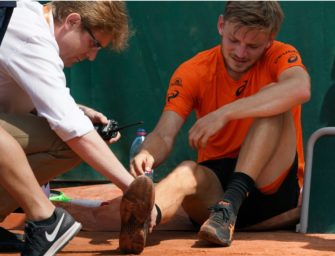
(77, 43)
(241, 47)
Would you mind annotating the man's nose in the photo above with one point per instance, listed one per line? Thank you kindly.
(241, 51)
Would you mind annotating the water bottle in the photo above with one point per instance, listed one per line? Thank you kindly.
(135, 147)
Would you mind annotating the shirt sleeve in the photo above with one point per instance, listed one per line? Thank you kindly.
(181, 94)
(281, 57)
(38, 69)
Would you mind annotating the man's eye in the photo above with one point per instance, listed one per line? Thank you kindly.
(253, 46)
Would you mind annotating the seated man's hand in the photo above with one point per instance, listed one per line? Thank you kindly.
(141, 162)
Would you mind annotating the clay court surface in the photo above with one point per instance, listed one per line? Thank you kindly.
(177, 238)
(186, 243)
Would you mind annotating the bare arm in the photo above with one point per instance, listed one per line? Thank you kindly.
(292, 88)
(158, 143)
(94, 151)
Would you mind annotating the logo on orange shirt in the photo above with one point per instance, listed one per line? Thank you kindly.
(292, 59)
(177, 82)
(241, 89)
(172, 95)
(285, 53)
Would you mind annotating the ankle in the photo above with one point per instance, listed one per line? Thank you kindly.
(238, 189)
(46, 221)
(159, 215)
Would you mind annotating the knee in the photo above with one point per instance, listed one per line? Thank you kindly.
(61, 150)
(269, 119)
(184, 171)
(185, 174)
(275, 120)
(186, 167)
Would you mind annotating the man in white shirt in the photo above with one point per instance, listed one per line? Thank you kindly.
(37, 109)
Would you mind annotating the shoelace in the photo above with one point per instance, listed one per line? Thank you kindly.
(218, 217)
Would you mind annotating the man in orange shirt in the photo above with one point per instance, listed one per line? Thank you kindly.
(246, 93)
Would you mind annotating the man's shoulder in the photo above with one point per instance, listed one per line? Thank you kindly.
(29, 14)
(206, 56)
(278, 46)
(28, 23)
(202, 61)
(278, 51)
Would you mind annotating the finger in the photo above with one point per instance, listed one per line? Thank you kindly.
(138, 165)
(190, 141)
(193, 139)
(99, 117)
(132, 171)
(203, 141)
(96, 117)
(194, 135)
(149, 163)
(113, 140)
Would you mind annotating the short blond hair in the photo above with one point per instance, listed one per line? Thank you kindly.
(262, 15)
(111, 17)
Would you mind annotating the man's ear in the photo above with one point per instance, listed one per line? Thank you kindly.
(220, 24)
(73, 20)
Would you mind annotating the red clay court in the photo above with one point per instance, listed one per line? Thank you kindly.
(177, 238)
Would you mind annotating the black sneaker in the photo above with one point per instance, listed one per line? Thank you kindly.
(48, 240)
(135, 209)
(10, 242)
(219, 228)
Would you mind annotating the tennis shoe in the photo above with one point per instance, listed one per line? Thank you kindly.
(10, 242)
(48, 240)
(219, 228)
(136, 205)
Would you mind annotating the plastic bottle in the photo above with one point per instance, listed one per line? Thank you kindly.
(135, 147)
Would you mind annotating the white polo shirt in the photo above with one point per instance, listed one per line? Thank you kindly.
(31, 73)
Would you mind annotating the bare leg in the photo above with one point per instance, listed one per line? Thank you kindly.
(269, 149)
(47, 154)
(18, 179)
(267, 152)
(189, 185)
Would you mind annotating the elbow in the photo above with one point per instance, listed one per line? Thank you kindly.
(305, 95)
(305, 90)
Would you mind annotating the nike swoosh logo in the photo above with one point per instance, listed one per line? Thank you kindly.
(52, 236)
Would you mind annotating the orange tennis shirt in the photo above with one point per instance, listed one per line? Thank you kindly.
(203, 84)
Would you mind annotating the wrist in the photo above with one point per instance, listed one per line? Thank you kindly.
(225, 114)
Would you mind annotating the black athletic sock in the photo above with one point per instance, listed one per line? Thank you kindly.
(237, 190)
(159, 215)
(47, 221)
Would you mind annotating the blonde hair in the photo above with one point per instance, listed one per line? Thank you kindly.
(111, 17)
(262, 15)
